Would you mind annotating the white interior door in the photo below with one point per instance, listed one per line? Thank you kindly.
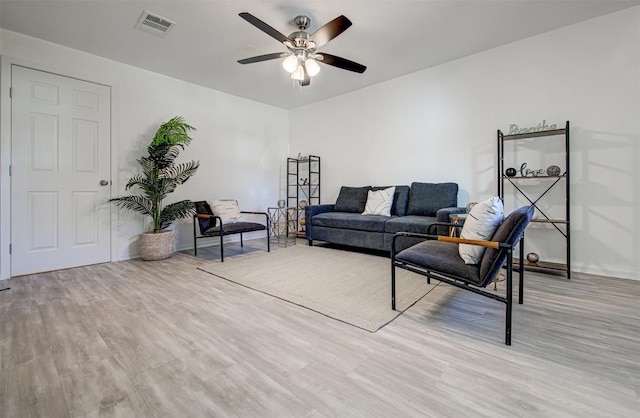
(60, 172)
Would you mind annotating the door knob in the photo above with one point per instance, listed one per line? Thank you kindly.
(104, 182)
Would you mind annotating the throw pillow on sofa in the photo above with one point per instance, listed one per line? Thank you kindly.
(352, 199)
(379, 202)
(482, 222)
(227, 210)
(425, 199)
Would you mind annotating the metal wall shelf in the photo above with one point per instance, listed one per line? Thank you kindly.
(535, 198)
(303, 186)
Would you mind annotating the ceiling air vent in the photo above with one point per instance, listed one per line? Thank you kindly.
(154, 24)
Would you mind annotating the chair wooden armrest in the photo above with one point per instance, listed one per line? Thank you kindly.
(205, 216)
(482, 243)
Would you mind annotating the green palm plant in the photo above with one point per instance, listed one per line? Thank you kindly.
(161, 175)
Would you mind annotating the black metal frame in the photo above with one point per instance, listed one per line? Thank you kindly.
(310, 191)
(461, 282)
(512, 180)
(223, 233)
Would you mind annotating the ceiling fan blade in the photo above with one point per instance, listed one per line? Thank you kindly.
(265, 57)
(263, 27)
(307, 80)
(330, 30)
(340, 62)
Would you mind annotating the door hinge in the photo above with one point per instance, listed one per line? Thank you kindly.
(10, 170)
(9, 249)
(11, 92)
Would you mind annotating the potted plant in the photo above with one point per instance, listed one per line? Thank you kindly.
(160, 176)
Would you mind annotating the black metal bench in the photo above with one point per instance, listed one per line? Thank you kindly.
(212, 226)
(438, 258)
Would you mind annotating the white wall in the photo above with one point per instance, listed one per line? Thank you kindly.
(241, 144)
(435, 125)
(440, 124)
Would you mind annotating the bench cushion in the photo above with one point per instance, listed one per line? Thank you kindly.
(442, 257)
(234, 228)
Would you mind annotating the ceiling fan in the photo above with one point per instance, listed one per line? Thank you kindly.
(302, 59)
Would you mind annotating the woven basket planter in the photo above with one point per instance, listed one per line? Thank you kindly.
(156, 245)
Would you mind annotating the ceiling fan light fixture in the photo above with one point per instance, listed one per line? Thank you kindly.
(301, 61)
(312, 67)
(298, 73)
(290, 63)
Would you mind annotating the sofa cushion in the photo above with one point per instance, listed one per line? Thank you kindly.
(345, 220)
(442, 257)
(379, 202)
(352, 199)
(400, 199)
(426, 198)
(409, 223)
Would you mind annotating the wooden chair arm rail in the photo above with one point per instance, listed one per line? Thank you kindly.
(205, 216)
(489, 244)
(482, 243)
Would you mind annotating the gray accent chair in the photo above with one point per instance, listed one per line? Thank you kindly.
(437, 258)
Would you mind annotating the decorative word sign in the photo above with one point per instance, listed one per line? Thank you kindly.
(524, 171)
(514, 129)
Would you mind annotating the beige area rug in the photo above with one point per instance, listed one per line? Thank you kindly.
(348, 286)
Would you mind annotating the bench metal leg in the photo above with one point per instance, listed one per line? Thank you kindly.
(507, 332)
(195, 239)
(393, 286)
(521, 272)
(393, 273)
(221, 248)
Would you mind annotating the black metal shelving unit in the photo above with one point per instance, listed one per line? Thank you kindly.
(303, 186)
(517, 185)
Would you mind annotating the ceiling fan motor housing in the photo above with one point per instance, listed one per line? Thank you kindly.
(302, 22)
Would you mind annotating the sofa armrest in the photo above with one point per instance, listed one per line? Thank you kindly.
(312, 210)
(435, 227)
(442, 215)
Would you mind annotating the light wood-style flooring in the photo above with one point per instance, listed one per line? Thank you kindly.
(163, 339)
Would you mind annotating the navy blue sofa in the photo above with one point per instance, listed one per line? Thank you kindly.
(414, 209)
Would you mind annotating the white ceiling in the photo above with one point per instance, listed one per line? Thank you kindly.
(391, 37)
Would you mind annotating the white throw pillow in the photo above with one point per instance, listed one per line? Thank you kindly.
(379, 202)
(482, 222)
(227, 210)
